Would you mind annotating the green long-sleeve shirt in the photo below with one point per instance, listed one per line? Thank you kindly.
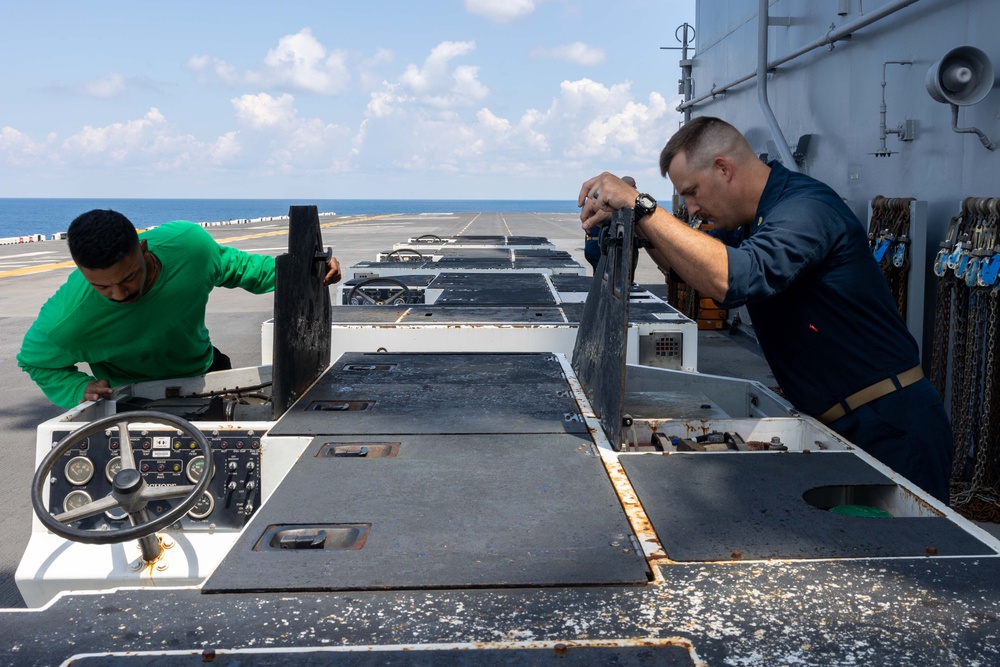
(160, 336)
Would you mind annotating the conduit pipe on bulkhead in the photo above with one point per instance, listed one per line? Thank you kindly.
(763, 19)
(829, 38)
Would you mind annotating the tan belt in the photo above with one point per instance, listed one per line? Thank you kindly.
(869, 394)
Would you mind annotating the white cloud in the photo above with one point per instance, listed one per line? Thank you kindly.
(435, 85)
(385, 101)
(577, 53)
(109, 86)
(609, 123)
(301, 62)
(502, 11)
(284, 142)
(298, 62)
(17, 148)
(206, 65)
(588, 127)
(118, 141)
(226, 148)
(262, 110)
(367, 69)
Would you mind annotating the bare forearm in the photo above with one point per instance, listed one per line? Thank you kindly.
(702, 261)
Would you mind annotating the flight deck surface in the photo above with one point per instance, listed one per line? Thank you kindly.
(511, 508)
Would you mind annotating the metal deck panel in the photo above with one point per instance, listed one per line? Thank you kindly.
(436, 393)
(926, 611)
(484, 314)
(597, 656)
(464, 511)
(484, 289)
(599, 352)
(707, 507)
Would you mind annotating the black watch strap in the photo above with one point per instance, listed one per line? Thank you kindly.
(644, 205)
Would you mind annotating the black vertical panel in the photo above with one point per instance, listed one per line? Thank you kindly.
(301, 310)
(599, 352)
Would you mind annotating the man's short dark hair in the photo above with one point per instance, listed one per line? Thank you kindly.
(100, 238)
(701, 139)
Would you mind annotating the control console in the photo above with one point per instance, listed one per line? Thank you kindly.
(165, 459)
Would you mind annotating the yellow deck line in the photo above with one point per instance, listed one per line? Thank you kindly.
(28, 270)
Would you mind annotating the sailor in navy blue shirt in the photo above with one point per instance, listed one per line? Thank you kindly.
(798, 258)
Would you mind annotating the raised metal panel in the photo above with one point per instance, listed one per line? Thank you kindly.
(599, 353)
(301, 310)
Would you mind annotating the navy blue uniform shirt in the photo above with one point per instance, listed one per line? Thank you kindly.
(822, 311)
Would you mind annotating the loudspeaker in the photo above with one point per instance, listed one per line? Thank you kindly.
(963, 76)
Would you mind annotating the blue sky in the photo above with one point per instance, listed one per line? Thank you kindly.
(460, 99)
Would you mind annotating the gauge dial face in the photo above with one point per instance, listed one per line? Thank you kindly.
(203, 507)
(75, 499)
(195, 467)
(114, 465)
(79, 470)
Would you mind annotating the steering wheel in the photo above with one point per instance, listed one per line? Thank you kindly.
(358, 298)
(429, 237)
(128, 489)
(404, 255)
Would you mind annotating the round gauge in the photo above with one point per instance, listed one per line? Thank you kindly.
(116, 513)
(76, 499)
(79, 470)
(195, 467)
(203, 507)
(114, 465)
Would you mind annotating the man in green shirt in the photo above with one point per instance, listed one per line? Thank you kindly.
(134, 310)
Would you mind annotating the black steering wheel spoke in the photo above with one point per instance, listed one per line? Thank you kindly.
(93, 508)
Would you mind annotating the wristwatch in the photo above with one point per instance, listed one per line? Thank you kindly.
(644, 205)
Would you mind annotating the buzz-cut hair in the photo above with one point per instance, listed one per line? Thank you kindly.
(701, 140)
(101, 238)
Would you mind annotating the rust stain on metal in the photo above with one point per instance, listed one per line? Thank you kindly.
(564, 647)
(641, 525)
(699, 426)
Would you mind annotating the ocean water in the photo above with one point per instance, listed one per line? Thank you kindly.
(21, 217)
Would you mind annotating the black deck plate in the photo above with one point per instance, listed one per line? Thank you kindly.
(301, 310)
(463, 263)
(485, 289)
(704, 507)
(484, 314)
(577, 656)
(599, 353)
(914, 611)
(572, 283)
(437, 393)
(464, 511)
(475, 253)
(499, 240)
